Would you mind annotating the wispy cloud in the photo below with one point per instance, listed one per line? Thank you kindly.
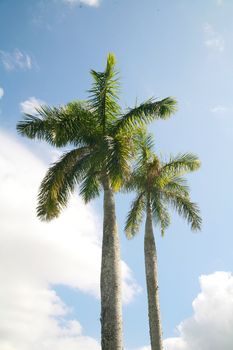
(15, 60)
(31, 105)
(93, 3)
(221, 110)
(212, 39)
(220, 2)
(1, 92)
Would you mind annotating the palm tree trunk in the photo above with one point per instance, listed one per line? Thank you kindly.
(152, 284)
(110, 284)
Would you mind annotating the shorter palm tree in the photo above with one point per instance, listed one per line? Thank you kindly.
(158, 185)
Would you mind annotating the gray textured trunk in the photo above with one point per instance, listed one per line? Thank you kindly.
(152, 284)
(110, 284)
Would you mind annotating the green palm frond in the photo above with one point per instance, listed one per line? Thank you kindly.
(35, 127)
(182, 164)
(185, 208)
(59, 126)
(135, 215)
(60, 181)
(104, 94)
(81, 123)
(90, 186)
(135, 182)
(178, 185)
(147, 112)
(160, 213)
(144, 147)
(166, 180)
(147, 141)
(143, 150)
(118, 160)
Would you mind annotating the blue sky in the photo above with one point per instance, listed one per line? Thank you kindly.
(179, 48)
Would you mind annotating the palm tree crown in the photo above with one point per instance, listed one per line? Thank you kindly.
(101, 133)
(161, 185)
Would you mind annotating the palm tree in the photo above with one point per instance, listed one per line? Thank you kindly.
(158, 185)
(101, 135)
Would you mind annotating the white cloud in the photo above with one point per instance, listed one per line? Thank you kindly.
(220, 2)
(29, 106)
(210, 327)
(34, 256)
(1, 92)
(15, 60)
(213, 40)
(221, 110)
(93, 3)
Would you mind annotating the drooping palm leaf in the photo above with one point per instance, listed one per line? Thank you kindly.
(135, 215)
(185, 208)
(118, 160)
(160, 212)
(59, 182)
(90, 186)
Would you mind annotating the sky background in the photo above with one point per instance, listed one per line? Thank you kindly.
(50, 272)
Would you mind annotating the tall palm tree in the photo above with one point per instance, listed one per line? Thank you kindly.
(158, 185)
(101, 135)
